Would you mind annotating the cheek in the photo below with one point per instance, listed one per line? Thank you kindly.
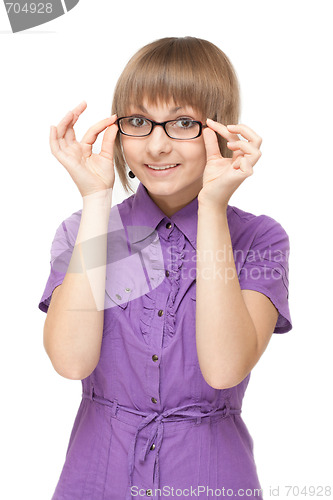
(130, 148)
(198, 153)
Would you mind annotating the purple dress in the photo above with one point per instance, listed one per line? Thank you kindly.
(148, 423)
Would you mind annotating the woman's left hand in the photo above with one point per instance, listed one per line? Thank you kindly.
(222, 176)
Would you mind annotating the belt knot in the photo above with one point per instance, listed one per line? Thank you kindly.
(157, 420)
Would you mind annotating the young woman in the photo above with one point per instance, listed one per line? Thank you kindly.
(164, 303)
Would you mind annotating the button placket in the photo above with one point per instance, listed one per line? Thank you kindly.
(153, 381)
(168, 226)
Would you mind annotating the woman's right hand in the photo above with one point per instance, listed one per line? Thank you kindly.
(90, 172)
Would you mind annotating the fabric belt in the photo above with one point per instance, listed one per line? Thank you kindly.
(186, 412)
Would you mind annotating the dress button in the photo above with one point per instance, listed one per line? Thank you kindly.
(155, 357)
(152, 446)
(160, 312)
(118, 296)
(168, 225)
(149, 493)
(154, 400)
(167, 273)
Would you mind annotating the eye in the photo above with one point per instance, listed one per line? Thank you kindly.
(185, 123)
(136, 121)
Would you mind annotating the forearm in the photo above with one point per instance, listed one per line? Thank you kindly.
(225, 333)
(74, 325)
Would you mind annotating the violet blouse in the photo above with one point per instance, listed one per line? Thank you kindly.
(148, 423)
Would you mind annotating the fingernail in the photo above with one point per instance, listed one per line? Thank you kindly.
(230, 126)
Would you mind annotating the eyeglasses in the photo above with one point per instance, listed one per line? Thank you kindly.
(181, 129)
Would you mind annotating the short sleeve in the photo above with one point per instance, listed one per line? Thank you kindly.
(61, 252)
(266, 269)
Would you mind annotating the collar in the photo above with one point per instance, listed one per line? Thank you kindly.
(146, 216)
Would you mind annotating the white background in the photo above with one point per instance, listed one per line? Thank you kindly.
(282, 52)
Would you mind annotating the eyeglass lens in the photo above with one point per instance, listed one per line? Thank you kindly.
(176, 129)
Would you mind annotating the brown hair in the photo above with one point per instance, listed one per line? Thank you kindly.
(187, 70)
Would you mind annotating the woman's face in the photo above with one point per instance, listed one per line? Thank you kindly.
(173, 188)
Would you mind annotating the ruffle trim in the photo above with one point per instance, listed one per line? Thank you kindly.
(149, 302)
(147, 316)
(176, 265)
(178, 243)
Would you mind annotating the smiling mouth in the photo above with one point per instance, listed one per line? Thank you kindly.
(162, 167)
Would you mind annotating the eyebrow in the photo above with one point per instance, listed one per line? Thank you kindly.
(173, 110)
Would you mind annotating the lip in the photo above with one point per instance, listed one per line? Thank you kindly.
(161, 173)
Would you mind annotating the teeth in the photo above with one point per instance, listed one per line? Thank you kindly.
(163, 168)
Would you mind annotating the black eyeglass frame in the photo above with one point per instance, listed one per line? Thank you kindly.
(162, 124)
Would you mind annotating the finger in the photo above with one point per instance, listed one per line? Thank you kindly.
(211, 144)
(54, 144)
(241, 148)
(78, 110)
(64, 124)
(59, 135)
(243, 164)
(246, 147)
(56, 148)
(222, 130)
(236, 154)
(108, 141)
(247, 133)
(251, 158)
(69, 135)
(91, 135)
(69, 117)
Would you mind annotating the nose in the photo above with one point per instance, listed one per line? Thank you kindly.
(158, 142)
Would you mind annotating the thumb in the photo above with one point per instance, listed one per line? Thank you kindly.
(211, 144)
(108, 141)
